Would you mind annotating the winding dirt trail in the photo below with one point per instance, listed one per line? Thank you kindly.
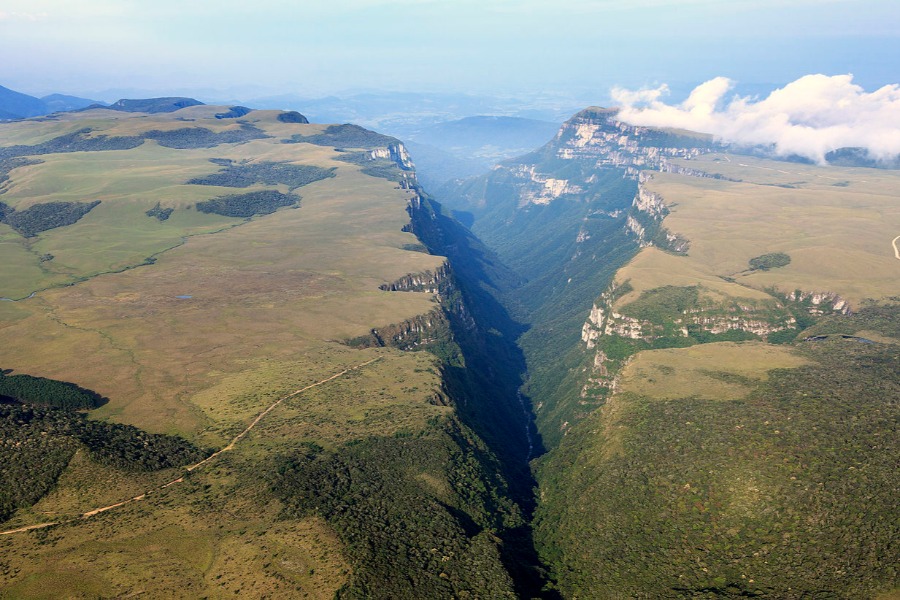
(894, 244)
(230, 446)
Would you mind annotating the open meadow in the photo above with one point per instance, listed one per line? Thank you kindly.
(194, 324)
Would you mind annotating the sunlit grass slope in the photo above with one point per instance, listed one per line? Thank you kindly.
(836, 224)
(194, 324)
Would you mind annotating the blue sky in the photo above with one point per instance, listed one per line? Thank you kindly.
(579, 47)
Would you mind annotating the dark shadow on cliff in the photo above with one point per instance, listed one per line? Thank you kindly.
(485, 385)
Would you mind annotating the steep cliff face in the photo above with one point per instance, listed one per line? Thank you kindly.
(595, 134)
(396, 153)
(644, 220)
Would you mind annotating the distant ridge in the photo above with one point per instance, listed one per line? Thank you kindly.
(63, 102)
(149, 105)
(16, 105)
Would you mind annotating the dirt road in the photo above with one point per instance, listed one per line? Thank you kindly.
(230, 446)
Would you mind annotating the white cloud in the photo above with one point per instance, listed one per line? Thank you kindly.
(810, 116)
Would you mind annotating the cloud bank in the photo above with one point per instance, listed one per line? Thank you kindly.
(809, 117)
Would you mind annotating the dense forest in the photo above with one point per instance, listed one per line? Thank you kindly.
(200, 137)
(344, 136)
(40, 431)
(28, 389)
(407, 538)
(247, 205)
(43, 217)
(245, 174)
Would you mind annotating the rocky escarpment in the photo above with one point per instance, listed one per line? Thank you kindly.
(427, 281)
(596, 134)
(819, 303)
(644, 220)
(682, 316)
(396, 153)
(713, 318)
(417, 333)
(594, 140)
(422, 332)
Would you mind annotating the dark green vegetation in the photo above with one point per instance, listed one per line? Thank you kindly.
(160, 213)
(234, 112)
(405, 537)
(200, 137)
(787, 493)
(77, 141)
(152, 105)
(349, 136)
(42, 217)
(245, 174)
(37, 442)
(184, 138)
(772, 260)
(860, 157)
(292, 116)
(563, 253)
(27, 389)
(247, 205)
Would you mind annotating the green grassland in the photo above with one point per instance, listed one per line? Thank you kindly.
(226, 317)
(716, 371)
(838, 237)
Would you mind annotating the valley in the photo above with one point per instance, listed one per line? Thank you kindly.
(696, 444)
(654, 366)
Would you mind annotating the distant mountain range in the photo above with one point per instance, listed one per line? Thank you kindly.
(16, 105)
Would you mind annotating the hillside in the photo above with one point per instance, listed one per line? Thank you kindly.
(248, 286)
(697, 445)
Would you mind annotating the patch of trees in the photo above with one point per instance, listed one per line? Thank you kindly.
(37, 443)
(376, 495)
(292, 116)
(28, 389)
(247, 205)
(43, 217)
(234, 112)
(152, 105)
(160, 213)
(77, 141)
(348, 135)
(773, 260)
(244, 174)
(200, 137)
